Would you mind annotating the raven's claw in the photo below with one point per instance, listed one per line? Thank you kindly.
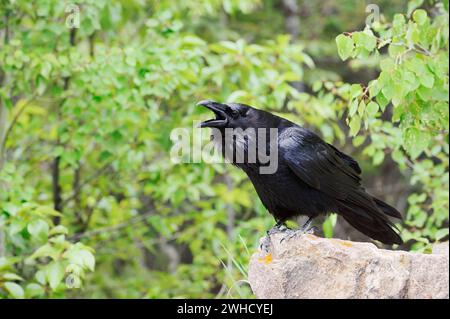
(297, 233)
(267, 242)
(265, 246)
(305, 229)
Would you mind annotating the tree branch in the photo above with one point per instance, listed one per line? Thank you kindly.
(3, 108)
(6, 36)
(57, 197)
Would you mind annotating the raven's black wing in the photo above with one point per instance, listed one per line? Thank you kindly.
(319, 164)
(337, 175)
(348, 159)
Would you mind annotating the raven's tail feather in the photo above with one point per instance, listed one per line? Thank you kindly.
(371, 221)
(387, 209)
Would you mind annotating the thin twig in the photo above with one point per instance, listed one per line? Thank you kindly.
(16, 118)
(113, 228)
(85, 182)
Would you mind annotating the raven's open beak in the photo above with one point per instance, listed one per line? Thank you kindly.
(219, 110)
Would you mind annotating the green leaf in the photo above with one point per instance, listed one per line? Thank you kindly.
(11, 208)
(398, 91)
(73, 281)
(89, 260)
(46, 68)
(397, 156)
(34, 290)
(81, 257)
(6, 263)
(193, 41)
(365, 40)
(345, 46)
(382, 101)
(416, 141)
(374, 88)
(74, 269)
(398, 24)
(399, 113)
(378, 158)
(54, 273)
(328, 225)
(387, 65)
(60, 229)
(353, 108)
(413, 5)
(372, 108)
(399, 20)
(38, 229)
(361, 108)
(11, 276)
(395, 50)
(317, 85)
(420, 16)
(40, 277)
(388, 91)
(14, 289)
(355, 125)
(45, 251)
(427, 80)
(441, 233)
(359, 140)
(355, 91)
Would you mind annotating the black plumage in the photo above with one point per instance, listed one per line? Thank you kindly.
(312, 178)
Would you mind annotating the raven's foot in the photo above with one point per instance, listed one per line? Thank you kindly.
(305, 229)
(266, 244)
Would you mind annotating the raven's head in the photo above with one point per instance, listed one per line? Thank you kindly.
(234, 115)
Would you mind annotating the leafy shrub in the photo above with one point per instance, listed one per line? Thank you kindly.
(413, 58)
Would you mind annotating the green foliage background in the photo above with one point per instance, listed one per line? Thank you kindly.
(92, 206)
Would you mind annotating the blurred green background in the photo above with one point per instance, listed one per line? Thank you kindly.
(91, 205)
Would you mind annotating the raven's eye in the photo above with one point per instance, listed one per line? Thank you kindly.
(235, 113)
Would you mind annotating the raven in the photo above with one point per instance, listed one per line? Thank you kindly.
(312, 177)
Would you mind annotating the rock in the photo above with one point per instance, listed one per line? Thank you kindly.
(311, 267)
(441, 248)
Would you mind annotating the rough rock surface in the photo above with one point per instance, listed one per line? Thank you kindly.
(311, 267)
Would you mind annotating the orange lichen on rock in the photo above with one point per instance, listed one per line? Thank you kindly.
(346, 243)
(267, 259)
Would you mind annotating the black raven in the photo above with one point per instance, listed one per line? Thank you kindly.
(312, 177)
